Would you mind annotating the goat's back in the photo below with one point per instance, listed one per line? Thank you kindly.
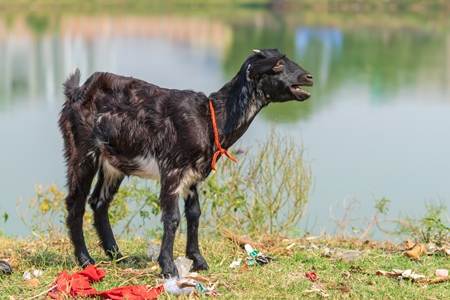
(129, 118)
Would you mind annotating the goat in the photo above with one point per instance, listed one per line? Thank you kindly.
(120, 126)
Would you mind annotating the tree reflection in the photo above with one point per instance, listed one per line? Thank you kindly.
(342, 51)
(384, 60)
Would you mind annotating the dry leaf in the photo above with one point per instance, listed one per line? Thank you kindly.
(185, 284)
(409, 243)
(320, 289)
(241, 241)
(317, 289)
(244, 267)
(354, 268)
(342, 287)
(438, 280)
(322, 285)
(416, 251)
(15, 260)
(411, 275)
(198, 278)
(346, 274)
(431, 247)
(406, 274)
(32, 282)
(388, 274)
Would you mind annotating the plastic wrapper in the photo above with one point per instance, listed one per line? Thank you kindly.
(183, 265)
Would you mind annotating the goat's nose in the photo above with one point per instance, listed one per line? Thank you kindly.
(308, 78)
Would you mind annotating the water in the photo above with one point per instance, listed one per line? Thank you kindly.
(376, 125)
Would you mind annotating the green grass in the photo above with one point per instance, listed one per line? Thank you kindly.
(283, 278)
(237, 200)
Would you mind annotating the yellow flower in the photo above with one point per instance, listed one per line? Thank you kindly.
(44, 207)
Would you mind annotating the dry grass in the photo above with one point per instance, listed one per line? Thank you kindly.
(283, 278)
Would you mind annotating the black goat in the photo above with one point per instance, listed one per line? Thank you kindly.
(120, 126)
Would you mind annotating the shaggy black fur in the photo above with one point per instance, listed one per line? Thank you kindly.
(119, 126)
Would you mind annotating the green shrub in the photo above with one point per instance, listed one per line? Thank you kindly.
(265, 192)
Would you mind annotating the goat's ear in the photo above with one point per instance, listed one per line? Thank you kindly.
(262, 66)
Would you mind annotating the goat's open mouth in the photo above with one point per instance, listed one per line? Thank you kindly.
(299, 92)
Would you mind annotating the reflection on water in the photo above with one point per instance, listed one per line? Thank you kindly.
(37, 52)
(330, 41)
(376, 120)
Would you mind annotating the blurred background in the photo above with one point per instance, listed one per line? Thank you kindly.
(377, 124)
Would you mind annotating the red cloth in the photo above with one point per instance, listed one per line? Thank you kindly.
(132, 293)
(79, 284)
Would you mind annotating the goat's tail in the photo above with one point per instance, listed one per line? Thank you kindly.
(72, 84)
(75, 129)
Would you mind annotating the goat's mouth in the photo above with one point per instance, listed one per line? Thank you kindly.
(299, 92)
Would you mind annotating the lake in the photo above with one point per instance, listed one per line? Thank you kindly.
(377, 124)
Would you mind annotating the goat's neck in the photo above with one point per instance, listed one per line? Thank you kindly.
(238, 102)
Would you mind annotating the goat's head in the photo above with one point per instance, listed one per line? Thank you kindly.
(277, 76)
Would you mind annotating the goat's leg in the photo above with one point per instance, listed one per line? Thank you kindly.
(79, 183)
(100, 200)
(193, 212)
(171, 219)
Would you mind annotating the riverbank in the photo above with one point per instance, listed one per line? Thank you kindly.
(314, 267)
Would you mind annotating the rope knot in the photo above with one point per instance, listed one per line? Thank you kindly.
(220, 151)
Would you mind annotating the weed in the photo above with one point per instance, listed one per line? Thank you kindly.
(5, 217)
(436, 230)
(362, 227)
(46, 208)
(266, 192)
(427, 228)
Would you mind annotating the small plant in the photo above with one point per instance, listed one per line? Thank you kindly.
(429, 228)
(265, 192)
(382, 205)
(361, 226)
(5, 217)
(143, 197)
(436, 230)
(47, 210)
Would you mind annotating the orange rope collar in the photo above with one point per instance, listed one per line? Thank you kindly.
(220, 150)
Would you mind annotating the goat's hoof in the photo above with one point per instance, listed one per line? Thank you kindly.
(200, 266)
(170, 272)
(117, 257)
(199, 263)
(85, 260)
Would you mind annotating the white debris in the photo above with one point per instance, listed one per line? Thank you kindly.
(235, 263)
